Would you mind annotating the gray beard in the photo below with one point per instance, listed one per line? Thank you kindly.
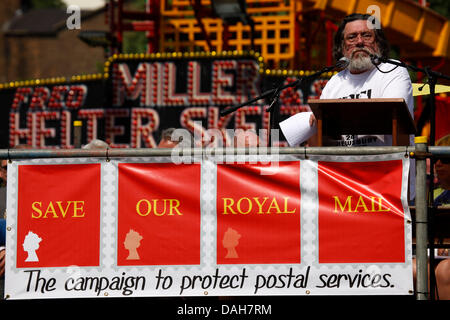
(360, 64)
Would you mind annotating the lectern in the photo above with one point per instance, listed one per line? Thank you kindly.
(363, 116)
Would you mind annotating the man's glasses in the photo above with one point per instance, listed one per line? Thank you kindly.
(365, 36)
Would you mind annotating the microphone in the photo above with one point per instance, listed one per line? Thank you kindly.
(342, 63)
(376, 60)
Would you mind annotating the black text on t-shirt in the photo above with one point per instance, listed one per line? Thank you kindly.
(366, 94)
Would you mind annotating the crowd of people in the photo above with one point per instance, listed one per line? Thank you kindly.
(358, 39)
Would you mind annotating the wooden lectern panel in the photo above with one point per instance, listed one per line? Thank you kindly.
(336, 117)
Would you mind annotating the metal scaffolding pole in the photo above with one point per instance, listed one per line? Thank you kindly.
(421, 221)
(433, 151)
(164, 152)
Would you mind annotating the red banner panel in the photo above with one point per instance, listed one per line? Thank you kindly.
(361, 216)
(58, 221)
(258, 215)
(159, 214)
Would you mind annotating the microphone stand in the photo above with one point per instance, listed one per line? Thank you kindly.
(432, 77)
(273, 95)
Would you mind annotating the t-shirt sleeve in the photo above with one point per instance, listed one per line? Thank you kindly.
(399, 85)
(326, 90)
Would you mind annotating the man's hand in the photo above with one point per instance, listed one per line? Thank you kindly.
(312, 120)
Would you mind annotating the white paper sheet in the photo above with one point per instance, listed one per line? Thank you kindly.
(296, 129)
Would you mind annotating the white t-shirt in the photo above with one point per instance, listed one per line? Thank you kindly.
(367, 85)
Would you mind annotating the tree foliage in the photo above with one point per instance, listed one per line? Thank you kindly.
(440, 6)
(43, 4)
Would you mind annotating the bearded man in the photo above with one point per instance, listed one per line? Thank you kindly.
(358, 37)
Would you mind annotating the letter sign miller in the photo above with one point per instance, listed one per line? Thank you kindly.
(358, 201)
(58, 221)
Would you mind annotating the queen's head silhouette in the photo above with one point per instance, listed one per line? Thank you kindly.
(131, 243)
(30, 245)
(230, 241)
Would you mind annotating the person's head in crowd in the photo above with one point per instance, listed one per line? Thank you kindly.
(96, 144)
(442, 166)
(4, 164)
(3, 172)
(359, 36)
(166, 139)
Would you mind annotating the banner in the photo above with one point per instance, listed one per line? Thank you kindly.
(220, 226)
